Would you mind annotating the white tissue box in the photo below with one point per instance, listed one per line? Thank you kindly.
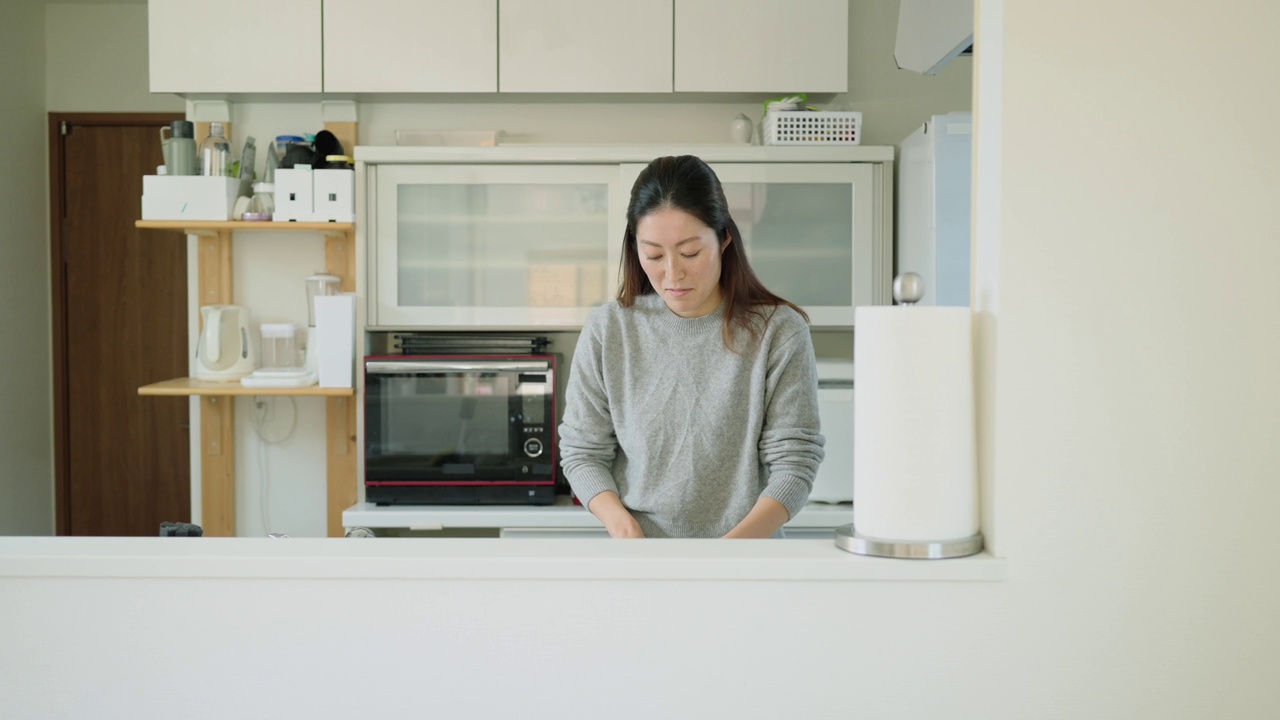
(293, 195)
(188, 197)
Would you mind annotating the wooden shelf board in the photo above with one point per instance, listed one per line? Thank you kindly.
(241, 225)
(191, 386)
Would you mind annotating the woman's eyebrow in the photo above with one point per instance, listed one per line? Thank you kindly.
(682, 242)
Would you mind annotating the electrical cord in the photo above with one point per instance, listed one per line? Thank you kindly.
(259, 429)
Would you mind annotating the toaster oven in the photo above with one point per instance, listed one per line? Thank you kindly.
(460, 429)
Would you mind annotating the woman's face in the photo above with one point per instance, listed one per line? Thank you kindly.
(681, 258)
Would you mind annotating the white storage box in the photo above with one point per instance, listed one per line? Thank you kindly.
(293, 195)
(188, 197)
(806, 127)
(334, 194)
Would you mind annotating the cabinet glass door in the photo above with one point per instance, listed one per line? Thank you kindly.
(491, 246)
(809, 231)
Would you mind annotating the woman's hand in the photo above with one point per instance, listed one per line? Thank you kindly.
(609, 509)
(764, 520)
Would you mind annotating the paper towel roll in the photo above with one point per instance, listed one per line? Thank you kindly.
(915, 469)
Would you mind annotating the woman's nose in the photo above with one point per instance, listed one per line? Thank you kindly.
(675, 268)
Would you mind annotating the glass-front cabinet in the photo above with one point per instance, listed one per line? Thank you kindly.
(532, 239)
(493, 246)
(809, 230)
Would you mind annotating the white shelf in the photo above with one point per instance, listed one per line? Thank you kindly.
(579, 154)
(520, 220)
(563, 514)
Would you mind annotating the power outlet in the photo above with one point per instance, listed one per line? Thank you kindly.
(266, 409)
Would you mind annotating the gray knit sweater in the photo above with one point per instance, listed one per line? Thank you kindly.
(689, 434)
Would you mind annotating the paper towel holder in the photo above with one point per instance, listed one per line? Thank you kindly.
(848, 539)
(908, 289)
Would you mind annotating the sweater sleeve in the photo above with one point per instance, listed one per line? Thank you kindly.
(791, 444)
(588, 443)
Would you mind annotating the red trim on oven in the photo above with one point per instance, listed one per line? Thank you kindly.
(461, 357)
(454, 483)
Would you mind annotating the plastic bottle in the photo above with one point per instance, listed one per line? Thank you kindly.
(215, 152)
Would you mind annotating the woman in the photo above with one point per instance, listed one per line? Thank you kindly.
(692, 407)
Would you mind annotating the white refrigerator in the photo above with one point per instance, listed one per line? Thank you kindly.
(934, 185)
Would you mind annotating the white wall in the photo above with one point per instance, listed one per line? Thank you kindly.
(1136, 400)
(26, 402)
(96, 60)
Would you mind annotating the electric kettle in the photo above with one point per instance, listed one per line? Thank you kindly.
(224, 351)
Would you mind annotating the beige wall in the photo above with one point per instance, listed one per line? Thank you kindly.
(893, 102)
(96, 60)
(1137, 466)
(26, 484)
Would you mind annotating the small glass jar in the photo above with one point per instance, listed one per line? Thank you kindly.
(279, 345)
(263, 204)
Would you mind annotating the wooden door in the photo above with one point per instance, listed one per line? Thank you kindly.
(120, 321)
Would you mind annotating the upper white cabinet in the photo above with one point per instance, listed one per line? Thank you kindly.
(421, 46)
(576, 46)
(780, 46)
(248, 46)
(487, 46)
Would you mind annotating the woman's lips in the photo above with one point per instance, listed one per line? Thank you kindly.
(680, 292)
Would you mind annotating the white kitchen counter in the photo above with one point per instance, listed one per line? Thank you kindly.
(563, 514)
(469, 559)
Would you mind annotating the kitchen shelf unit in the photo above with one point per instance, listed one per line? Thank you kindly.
(217, 411)
(192, 386)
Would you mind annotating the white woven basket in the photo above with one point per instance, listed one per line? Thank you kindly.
(822, 127)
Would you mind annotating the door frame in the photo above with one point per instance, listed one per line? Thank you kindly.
(58, 286)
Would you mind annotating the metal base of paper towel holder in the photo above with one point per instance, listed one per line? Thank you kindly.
(849, 540)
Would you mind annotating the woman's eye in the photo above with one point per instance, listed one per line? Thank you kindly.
(654, 257)
(694, 255)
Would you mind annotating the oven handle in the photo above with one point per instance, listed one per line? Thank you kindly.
(398, 367)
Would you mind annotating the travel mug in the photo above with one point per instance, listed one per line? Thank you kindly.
(180, 148)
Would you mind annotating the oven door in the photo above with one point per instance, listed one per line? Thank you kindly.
(451, 421)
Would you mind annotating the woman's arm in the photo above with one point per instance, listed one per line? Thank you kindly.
(791, 440)
(588, 443)
(609, 508)
(765, 520)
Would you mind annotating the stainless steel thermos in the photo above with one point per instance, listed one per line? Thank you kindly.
(179, 148)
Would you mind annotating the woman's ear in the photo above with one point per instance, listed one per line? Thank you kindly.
(725, 245)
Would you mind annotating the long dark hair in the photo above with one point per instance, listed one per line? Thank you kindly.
(688, 184)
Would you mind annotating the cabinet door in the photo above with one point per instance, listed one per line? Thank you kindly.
(243, 46)
(418, 46)
(572, 46)
(491, 246)
(775, 46)
(810, 231)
